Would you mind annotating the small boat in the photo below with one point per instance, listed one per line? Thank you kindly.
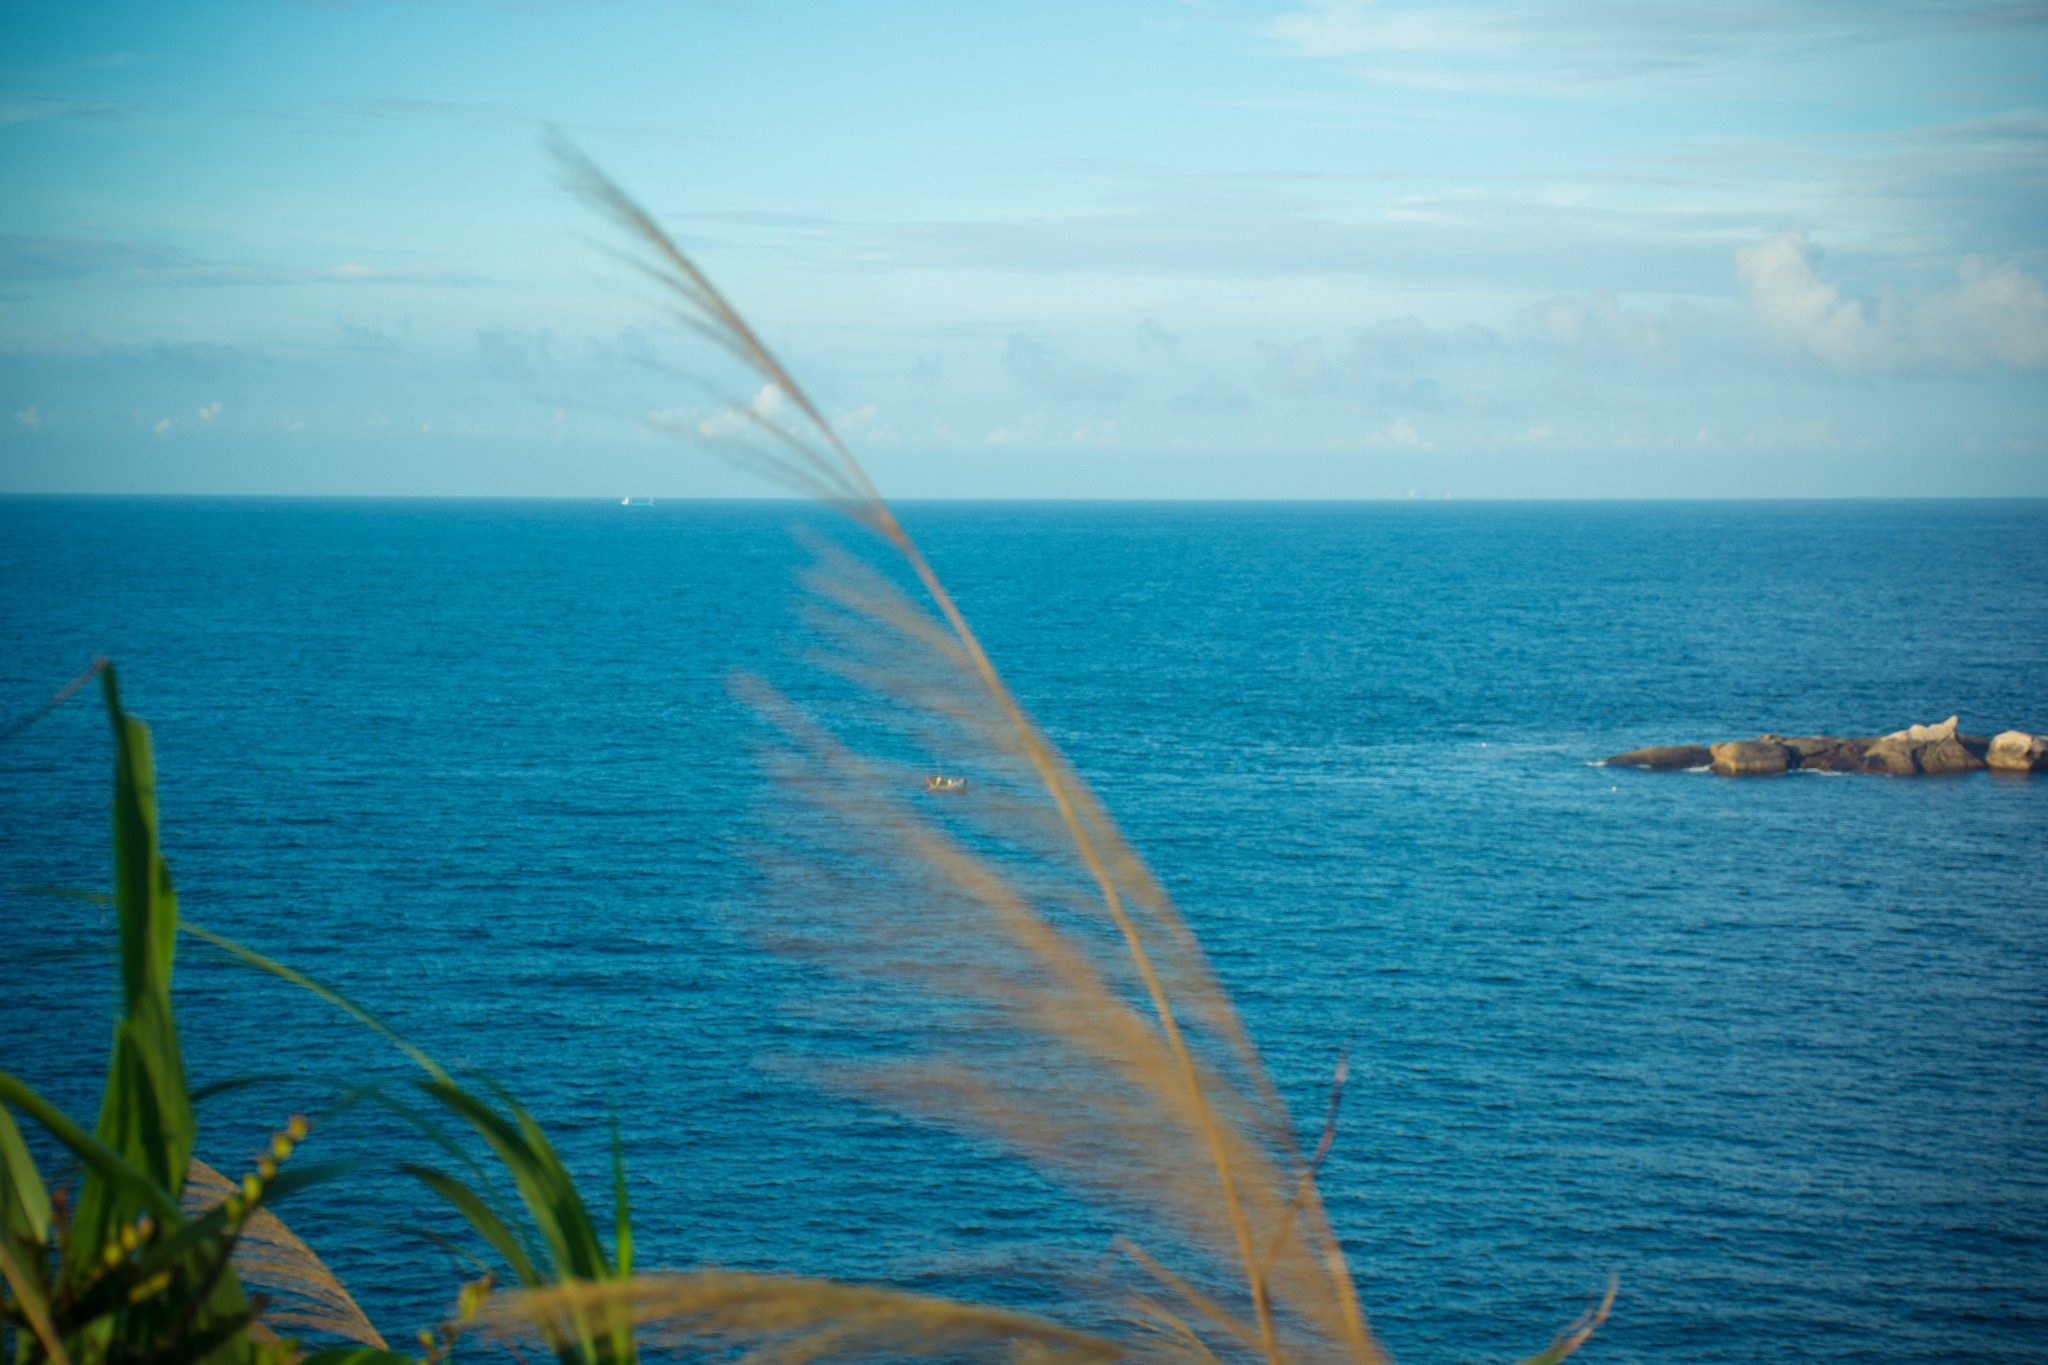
(935, 783)
(631, 500)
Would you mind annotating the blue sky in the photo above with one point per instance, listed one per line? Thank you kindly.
(1564, 248)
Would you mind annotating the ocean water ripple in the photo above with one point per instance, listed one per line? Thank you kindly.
(1771, 1050)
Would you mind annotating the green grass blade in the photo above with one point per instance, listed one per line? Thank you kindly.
(581, 1248)
(428, 1235)
(32, 1303)
(558, 1212)
(136, 1157)
(24, 1198)
(145, 1113)
(483, 1218)
(567, 1233)
(544, 1184)
(250, 957)
(101, 1162)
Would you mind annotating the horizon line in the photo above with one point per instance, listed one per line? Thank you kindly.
(1164, 500)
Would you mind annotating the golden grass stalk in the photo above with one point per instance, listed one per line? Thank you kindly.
(270, 1257)
(1113, 1103)
(791, 1321)
(1112, 1053)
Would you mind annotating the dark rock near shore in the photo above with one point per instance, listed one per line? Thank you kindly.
(1915, 750)
(1663, 756)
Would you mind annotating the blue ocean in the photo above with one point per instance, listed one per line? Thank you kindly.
(1772, 1051)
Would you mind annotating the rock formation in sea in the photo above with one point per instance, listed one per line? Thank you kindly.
(2016, 751)
(1915, 750)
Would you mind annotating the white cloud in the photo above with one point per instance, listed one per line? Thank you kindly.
(162, 427)
(764, 406)
(1996, 315)
(864, 425)
(28, 419)
(1399, 434)
(209, 412)
(1792, 304)
(1017, 432)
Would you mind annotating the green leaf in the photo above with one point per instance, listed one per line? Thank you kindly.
(573, 1248)
(24, 1199)
(145, 1113)
(136, 1158)
(250, 957)
(102, 1163)
(481, 1217)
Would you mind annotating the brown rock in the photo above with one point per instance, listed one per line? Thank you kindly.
(1663, 756)
(1941, 748)
(1891, 755)
(2016, 751)
(1946, 756)
(1828, 753)
(1922, 749)
(1750, 758)
(1926, 734)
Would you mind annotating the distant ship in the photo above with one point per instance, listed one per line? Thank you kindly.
(631, 501)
